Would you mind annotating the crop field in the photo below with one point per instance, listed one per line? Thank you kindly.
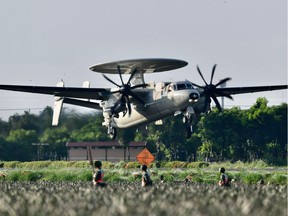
(129, 198)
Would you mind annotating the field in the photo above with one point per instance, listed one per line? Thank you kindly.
(177, 198)
(64, 188)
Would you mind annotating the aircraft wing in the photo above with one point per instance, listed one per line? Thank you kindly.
(244, 90)
(73, 92)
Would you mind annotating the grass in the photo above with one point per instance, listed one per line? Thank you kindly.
(199, 172)
(125, 198)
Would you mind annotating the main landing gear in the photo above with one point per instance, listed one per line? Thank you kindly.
(188, 125)
(112, 132)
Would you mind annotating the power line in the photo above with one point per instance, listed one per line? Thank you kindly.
(20, 109)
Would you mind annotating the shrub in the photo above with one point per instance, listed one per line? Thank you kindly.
(34, 164)
(13, 176)
(133, 165)
(11, 164)
(197, 165)
(251, 178)
(258, 164)
(278, 179)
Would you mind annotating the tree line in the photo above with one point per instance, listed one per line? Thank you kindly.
(257, 133)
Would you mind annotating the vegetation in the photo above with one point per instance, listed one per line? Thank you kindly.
(79, 198)
(177, 171)
(259, 133)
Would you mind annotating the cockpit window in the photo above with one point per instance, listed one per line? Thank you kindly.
(189, 86)
(181, 86)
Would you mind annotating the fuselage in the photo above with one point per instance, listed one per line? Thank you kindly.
(161, 101)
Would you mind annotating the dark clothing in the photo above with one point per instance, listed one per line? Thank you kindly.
(224, 180)
(146, 180)
(98, 178)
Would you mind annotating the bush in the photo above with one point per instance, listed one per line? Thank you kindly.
(251, 178)
(197, 165)
(133, 165)
(258, 164)
(278, 179)
(11, 164)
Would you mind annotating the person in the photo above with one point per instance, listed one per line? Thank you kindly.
(162, 179)
(146, 180)
(224, 180)
(98, 175)
(188, 179)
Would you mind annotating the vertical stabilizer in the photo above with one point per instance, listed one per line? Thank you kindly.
(58, 104)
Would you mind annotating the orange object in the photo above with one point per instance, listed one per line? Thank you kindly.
(145, 157)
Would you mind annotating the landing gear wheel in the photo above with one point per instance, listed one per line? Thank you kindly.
(113, 133)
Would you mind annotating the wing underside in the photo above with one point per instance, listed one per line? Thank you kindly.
(73, 92)
(245, 90)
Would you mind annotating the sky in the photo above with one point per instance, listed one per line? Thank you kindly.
(42, 42)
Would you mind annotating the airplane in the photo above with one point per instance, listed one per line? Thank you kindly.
(135, 102)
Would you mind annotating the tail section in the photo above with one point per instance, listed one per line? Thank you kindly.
(58, 104)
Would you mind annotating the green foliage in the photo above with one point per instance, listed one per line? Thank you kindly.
(11, 164)
(278, 179)
(258, 133)
(251, 178)
(197, 165)
(34, 164)
(174, 164)
(58, 171)
(133, 165)
(258, 164)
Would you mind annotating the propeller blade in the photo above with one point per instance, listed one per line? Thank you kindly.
(120, 74)
(194, 84)
(115, 91)
(139, 86)
(132, 75)
(201, 75)
(107, 78)
(212, 75)
(219, 92)
(137, 98)
(223, 81)
(217, 103)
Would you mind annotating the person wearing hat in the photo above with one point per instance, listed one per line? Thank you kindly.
(224, 180)
(98, 175)
(146, 180)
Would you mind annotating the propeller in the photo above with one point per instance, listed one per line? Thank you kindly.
(211, 91)
(125, 89)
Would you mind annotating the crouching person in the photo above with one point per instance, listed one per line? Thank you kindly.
(146, 180)
(98, 175)
(224, 180)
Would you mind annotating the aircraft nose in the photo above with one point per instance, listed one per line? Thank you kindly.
(194, 96)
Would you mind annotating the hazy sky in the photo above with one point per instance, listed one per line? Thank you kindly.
(42, 42)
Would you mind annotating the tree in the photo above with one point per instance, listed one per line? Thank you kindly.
(56, 138)
(260, 120)
(125, 137)
(20, 142)
(4, 128)
(225, 132)
(26, 121)
(91, 132)
(5, 151)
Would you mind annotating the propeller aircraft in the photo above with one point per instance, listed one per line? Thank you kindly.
(136, 102)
